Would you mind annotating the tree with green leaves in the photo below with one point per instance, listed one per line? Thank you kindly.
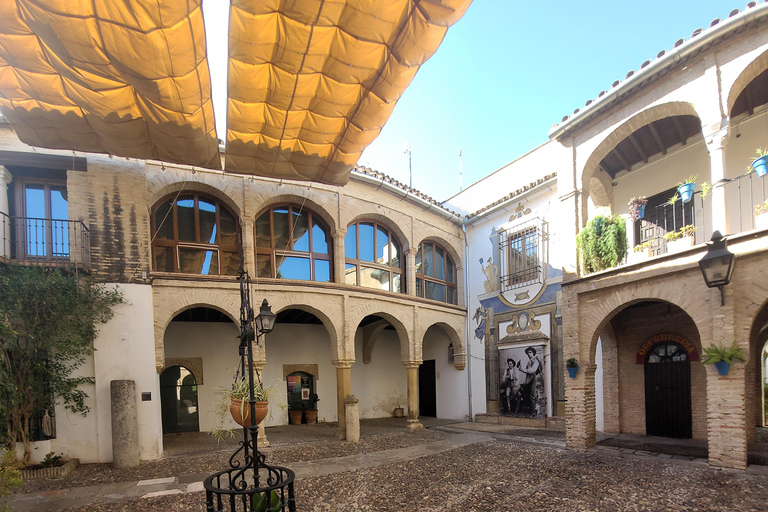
(48, 323)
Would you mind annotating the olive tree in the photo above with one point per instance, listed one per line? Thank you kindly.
(48, 322)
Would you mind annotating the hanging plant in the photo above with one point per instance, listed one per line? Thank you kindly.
(637, 207)
(602, 243)
(722, 357)
(685, 189)
(759, 164)
(706, 188)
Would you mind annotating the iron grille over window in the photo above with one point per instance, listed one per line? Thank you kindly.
(521, 248)
(195, 234)
(292, 243)
(372, 256)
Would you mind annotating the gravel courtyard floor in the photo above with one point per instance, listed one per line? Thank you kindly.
(492, 472)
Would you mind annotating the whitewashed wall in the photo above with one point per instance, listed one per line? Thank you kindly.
(451, 388)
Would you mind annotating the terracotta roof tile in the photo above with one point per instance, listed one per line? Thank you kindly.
(512, 195)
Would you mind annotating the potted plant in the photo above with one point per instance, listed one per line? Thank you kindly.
(602, 243)
(759, 164)
(295, 408)
(310, 413)
(681, 239)
(637, 207)
(685, 189)
(761, 215)
(236, 401)
(722, 357)
(572, 366)
(641, 252)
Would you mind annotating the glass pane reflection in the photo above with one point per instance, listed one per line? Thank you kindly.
(292, 267)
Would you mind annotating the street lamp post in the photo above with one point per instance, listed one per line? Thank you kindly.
(717, 265)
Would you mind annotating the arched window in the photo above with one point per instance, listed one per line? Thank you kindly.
(435, 273)
(195, 234)
(292, 243)
(373, 257)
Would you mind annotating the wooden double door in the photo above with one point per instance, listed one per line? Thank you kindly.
(668, 392)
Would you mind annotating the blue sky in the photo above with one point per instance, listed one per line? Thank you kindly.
(508, 71)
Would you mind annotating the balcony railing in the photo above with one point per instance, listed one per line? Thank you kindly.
(44, 241)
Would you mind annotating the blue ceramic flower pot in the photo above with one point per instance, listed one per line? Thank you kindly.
(722, 367)
(686, 191)
(572, 372)
(760, 165)
(641, 212)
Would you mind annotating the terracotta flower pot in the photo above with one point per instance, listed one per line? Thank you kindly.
(310, 415)
(235, 408)
(295, 416)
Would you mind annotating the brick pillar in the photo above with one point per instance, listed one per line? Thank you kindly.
(580, 409)
(726, 394)
(610, 381)
(343, 388)
(410, 270)
(716, 147)
(413, 395)
(338, 256)
(5, 222)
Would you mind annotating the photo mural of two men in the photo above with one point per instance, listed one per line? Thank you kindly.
(521, 391)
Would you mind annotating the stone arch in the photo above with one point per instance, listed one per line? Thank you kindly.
(305, 202)
(750, 72)
(315, 305)
(388, 223)
(758, 339)
(601, 190)
(409, 351)
(193, 364)
(194, 186)
(455, 255)
(452, 331)
(649, 115)
(172, 301)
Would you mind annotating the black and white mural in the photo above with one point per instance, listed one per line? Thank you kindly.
(521, 390)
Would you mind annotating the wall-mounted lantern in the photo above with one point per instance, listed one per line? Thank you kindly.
(717, 265)
(450, 353)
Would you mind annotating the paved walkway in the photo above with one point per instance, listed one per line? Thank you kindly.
(465, 434)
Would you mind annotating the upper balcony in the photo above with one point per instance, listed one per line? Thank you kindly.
(46, 242)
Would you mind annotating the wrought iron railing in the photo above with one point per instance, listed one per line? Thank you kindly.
(523, 251)
(44, 241)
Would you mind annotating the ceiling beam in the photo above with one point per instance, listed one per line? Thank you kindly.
(680, 132)
(640, 151)
(657, 138)
(749, 100)
(620, 157)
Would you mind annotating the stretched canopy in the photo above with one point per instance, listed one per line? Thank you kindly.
(310, 82)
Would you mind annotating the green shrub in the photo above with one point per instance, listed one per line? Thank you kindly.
(602, 243)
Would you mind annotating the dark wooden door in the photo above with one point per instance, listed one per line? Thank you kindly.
(427, 389)
(660, 218)
(668, 392)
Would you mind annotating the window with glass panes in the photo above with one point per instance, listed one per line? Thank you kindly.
(195, 234)
(292, 243)
(435, 274)
(373, 257)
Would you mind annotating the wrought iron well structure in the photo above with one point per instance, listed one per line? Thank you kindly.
(249, 484)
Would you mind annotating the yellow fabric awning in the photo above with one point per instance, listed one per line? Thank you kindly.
(124, 77)
(310, 82)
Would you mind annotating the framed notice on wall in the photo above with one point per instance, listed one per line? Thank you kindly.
(294, 383)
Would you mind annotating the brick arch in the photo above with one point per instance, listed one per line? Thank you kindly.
(404, 240)
(455, 255)
(750, 72)
(452, 331)
(168, 305)
(686, 295)
(291, 301)
(193, 364)
(307, 204)
(194, 186)
(643, 118)
(392, 314)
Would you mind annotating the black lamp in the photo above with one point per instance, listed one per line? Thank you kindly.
(265, 322)
(717, 265)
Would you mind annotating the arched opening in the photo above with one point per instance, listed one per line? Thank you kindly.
(200, 338)
(378, 377)
(298, 357)
(645, 383)
(441, 385)
(178, 401)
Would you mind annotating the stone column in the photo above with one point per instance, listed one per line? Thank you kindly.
(5, 222)
(571, 224)
(338, 256)
(716, 147)
(353, 419)
(259, 365)
(410, 270)
(343, 388)
(125, 426)
(413, 395)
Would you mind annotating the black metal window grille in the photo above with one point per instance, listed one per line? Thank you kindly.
(521, 248)
(42, 428)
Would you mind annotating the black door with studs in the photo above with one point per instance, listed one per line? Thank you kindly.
(668, 392)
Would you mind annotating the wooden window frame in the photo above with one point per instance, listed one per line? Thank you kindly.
(421, 291)
(357, 262)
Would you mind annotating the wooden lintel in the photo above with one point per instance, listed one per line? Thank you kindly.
(657, 138)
